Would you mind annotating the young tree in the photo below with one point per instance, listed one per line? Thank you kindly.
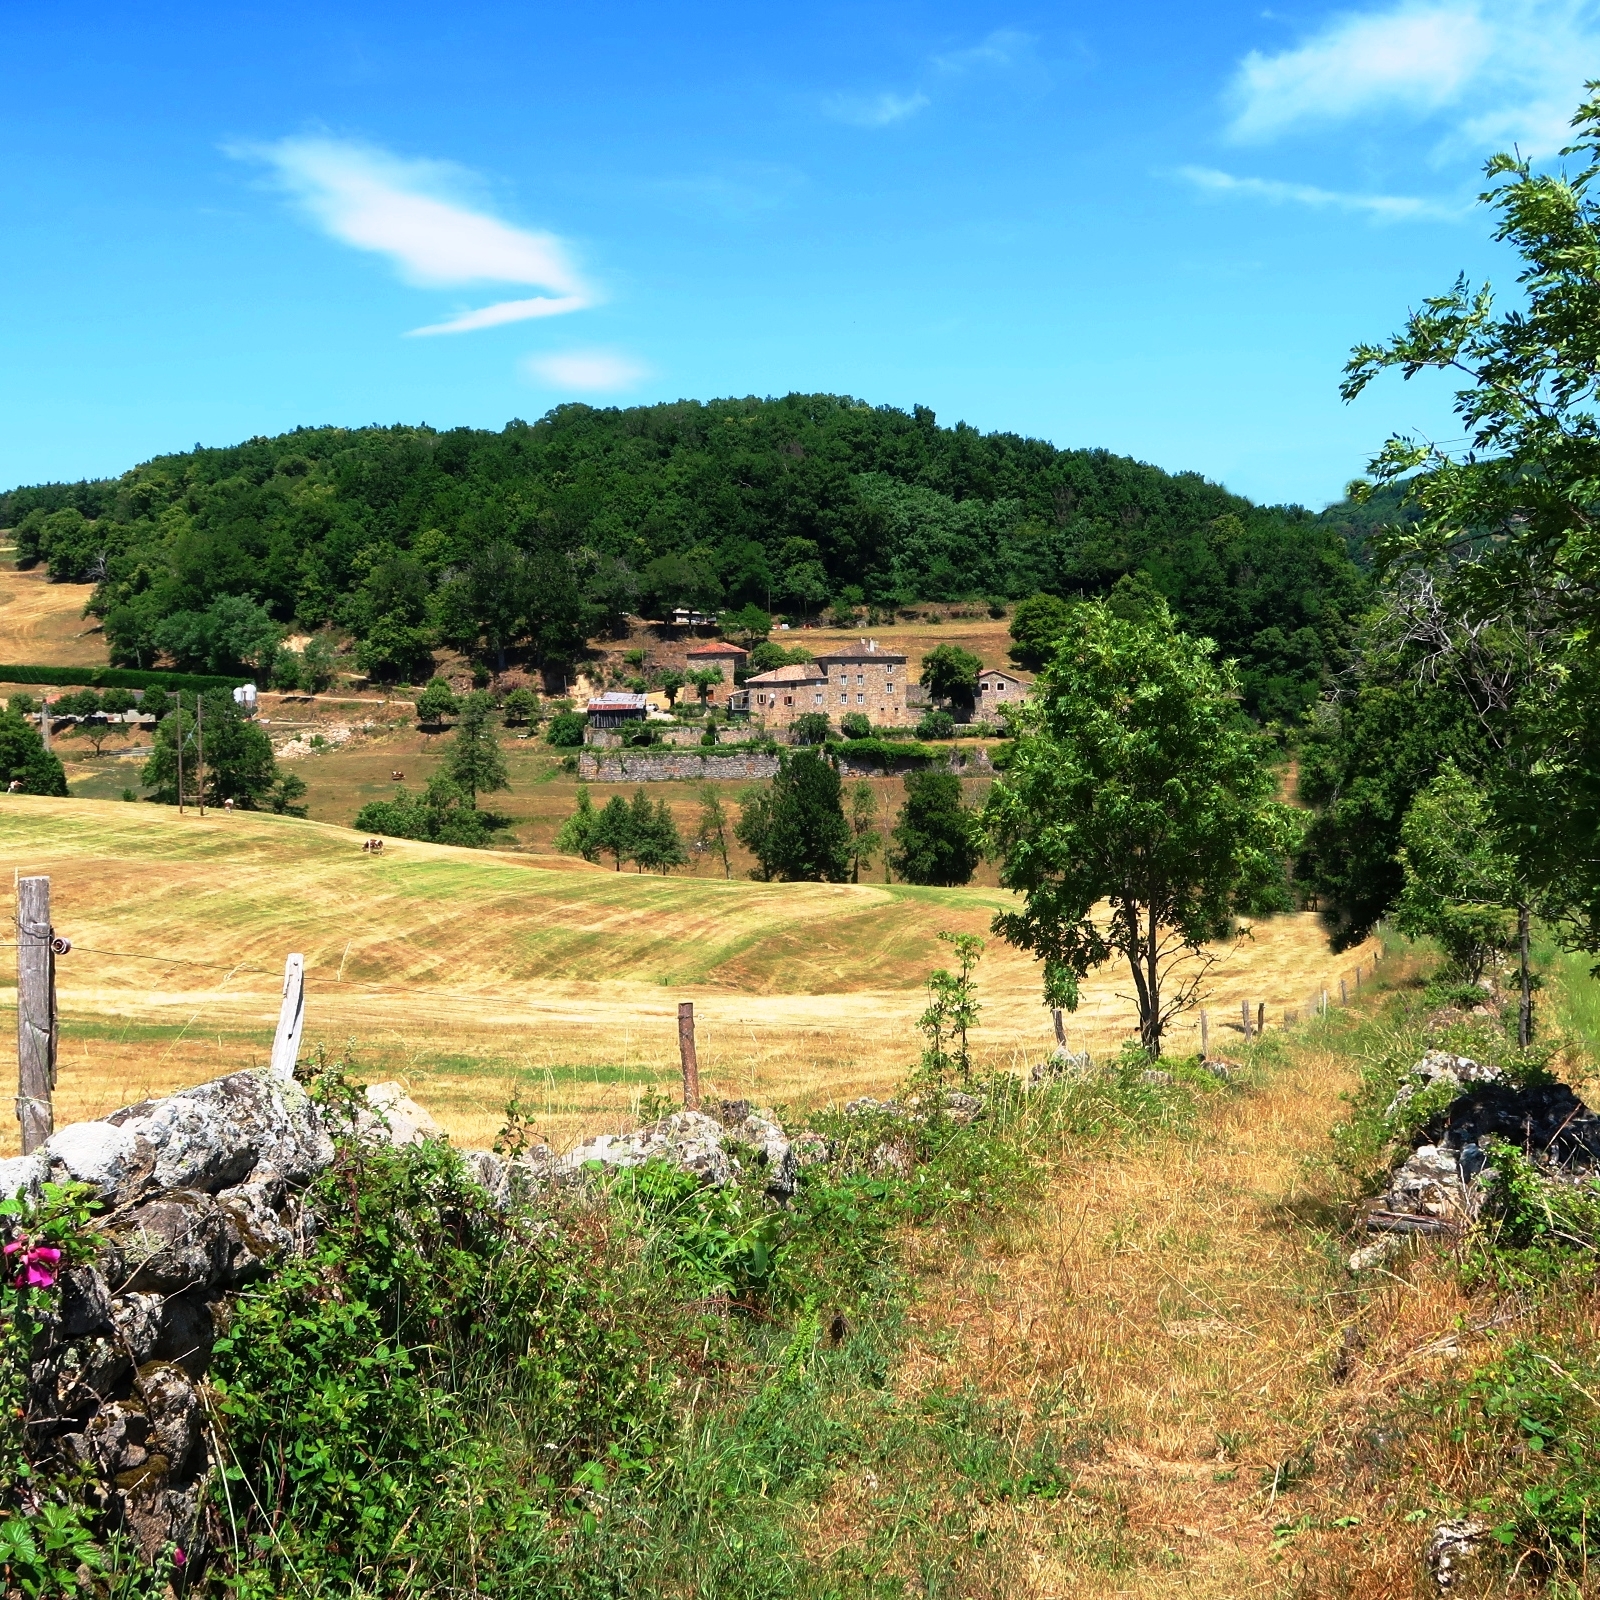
(704, 681)
(1461, 885)
(161, 766)
(239, 761)
(316, 664)
(950, 673)
(936, 724)
(754, 827)
(811, 727)
(577, 836)
(800, 835)
(936, 838)
(865, 840)
(711, 836)
(521, 706)
(855, 725)
(441, 814)
(1133, 781)
(474, 760)
(657, 846)
(642, 841)
(953, 1009)
(749, 625)
(670, 682)
(613, 832)
(435, 703)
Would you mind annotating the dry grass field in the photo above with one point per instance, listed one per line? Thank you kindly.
(471, 974)
(42, 623)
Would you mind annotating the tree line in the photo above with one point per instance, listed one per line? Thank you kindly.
(544, 535)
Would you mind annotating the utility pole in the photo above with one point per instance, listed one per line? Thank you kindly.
(200, 736)
(180, 752)
(44, 719)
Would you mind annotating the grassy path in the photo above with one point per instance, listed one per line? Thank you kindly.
(1176, 1312)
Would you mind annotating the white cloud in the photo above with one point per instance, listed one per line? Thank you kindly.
(875, 110)
(1381, 207)
(1507, 70)
(1005, 47)
(411, 212)
(592, 370)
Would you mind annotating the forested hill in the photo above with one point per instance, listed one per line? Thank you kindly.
(536, 535)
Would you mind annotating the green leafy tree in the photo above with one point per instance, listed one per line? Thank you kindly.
(769, 655)
(1492, 579)
(491, 599)
(286, 794)
(24, 760)
(936, 724)
(239, 764)
(799, 833)
(317, 664)
(436, 702)
(950, 673)
(391, 612)
(749, 625)
(657, 846)
(232, 632)
(1132, 782)
(855, 725)
(936, 839)
(521, 706)
(670, 682)
(613, 831)
(1461, 885)
(865, 839)
(811, 727)
(578, 835)
(566, 730)
(1037, 626)
(711, 835)
(705, 681)
(474, 760)
(442, 813)
(161, 768)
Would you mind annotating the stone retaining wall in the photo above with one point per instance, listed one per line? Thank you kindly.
(675, 766)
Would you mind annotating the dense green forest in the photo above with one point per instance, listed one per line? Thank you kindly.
(544, 534)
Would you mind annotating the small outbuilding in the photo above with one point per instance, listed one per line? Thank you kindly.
(997, 690)
(614, 707)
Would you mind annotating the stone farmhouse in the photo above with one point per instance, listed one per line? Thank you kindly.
(726, 658)
(996, 691)
(861, 677)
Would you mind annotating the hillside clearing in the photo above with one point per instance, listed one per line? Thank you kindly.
(469, 974)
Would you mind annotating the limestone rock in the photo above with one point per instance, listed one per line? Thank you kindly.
(866, 1106)
(1438, 1066)
(1379, 1253)
(961, 1107)
(1062, 1064)
(396, 1118)
(490, 1172)
(1429, 1193)
(1454, 1549)
(774, 1151)
(207, 1138)
(687, 1139)
(22, 1175)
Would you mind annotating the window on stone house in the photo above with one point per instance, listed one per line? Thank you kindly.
(788, 699)
(817, 697)
(861, 699)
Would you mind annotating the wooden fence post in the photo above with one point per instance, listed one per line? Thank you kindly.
(1261, 1018)
(1060, 1026)
(200, 753)
(291, 1019)
(691, 1062)
(1344, 994)
(36, 1012)
(1205, 1036)
(1244, 1018)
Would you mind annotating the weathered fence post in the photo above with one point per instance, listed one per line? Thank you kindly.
(1244, 1019)
(1205, 1036)
(1344, 994)
(691, 1062)
(291, 1019)
(1261, 1017)
(1061, 1027)
(36, 1012)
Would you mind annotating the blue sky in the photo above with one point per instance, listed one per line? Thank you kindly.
(1156, 228)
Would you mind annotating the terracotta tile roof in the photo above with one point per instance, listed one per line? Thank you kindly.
(863, 650)
(717, 647)
(803, 672)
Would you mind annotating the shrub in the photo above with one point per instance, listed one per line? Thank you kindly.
(855, 725)
(936, 724)
(566, 730)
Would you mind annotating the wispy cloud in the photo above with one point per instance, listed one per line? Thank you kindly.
(875, 110)
(1504, 70)
(1380, 207)
(414, 213)
(1001, 51)
(595, 371)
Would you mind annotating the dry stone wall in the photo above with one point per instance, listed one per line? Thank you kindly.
(683, 766)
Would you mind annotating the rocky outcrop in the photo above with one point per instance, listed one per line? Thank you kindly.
(200, 1194)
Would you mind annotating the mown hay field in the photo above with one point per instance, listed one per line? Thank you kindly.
(471, 974)
(42, 623)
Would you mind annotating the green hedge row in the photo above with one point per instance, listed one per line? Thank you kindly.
(117, 678)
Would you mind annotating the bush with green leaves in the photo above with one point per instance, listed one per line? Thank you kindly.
(441, 813)
(566, 730)
(936, 724)
(856, 725)
(937, 839)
